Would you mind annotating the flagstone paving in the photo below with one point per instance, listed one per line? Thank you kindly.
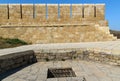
(91, 71)
(112, 47)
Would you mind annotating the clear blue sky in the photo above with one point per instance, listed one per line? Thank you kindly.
(112, 8)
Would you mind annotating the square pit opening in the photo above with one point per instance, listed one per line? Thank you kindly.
(60, 72)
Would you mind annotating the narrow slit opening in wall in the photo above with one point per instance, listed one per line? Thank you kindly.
(58, 10)
(71, 11)
(21, 10)
(8, 11)
(34, 10)
(94, 11)
(46, 11)
(82, 11)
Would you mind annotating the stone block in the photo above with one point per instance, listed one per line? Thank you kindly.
(3, 11)
(40, 12)
(64, 12)
(89, 11)
(3, 14)
(27, 11)
(52, 12)
(76, 12)
(14, 11)
(100, 11)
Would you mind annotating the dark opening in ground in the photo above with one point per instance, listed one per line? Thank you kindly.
(60, 72)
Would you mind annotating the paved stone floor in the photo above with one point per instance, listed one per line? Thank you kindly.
(112, 47)
(90, 70)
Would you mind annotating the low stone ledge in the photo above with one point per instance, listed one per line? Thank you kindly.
(15, 60)
(77, 54)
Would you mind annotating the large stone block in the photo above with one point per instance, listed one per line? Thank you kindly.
(89, 11)
(27, 15)
(3, 14)
(52, 12)
(64, 12)
(100, 11)
(76, 12)
(3, 11)
(27, 11)
(41, 12)
(15, 12)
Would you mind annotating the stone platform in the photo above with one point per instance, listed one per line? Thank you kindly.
(86, 68)
(89, 70)
(110, 47)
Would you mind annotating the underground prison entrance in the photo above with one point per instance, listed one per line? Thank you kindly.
(60, 72)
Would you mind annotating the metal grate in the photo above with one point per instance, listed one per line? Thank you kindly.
(60, 72)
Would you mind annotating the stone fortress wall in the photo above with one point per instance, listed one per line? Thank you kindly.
(54, 23)
(16, 14)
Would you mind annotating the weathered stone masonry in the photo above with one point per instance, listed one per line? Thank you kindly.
(53, 23)
(15, 60)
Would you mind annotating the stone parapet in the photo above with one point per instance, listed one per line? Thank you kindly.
(52, 13)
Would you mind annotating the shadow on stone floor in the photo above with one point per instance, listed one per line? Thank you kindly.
(12, 71)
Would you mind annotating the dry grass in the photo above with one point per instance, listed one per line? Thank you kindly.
(8, 43)
(115, 33)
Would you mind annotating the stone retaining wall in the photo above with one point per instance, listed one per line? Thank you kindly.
(79, 54)
(15, 60)
(58, 33)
